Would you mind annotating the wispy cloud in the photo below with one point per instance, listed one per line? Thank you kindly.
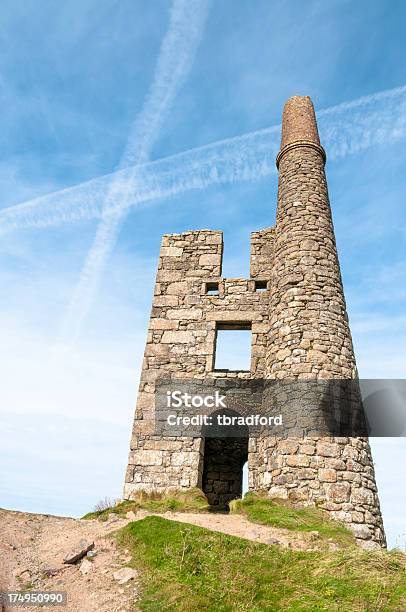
(247, 157)
(175, 59)
(250, 156)
(357, 125)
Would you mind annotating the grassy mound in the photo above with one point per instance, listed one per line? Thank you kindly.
(191, 500)
(187, 568)
(278, 513)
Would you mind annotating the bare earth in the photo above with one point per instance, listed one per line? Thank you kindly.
(34, 545)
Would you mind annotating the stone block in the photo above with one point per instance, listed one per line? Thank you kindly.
(231, 315)
(162, 324)
(156, 350)
(145, 400)
(211, 259)
(283, 353)
(178, 337)
(327, 475)
(278, 492)
(288, 447)
(326, 449)
(171, 251)
(363, 532)
(362, 497)
(307, 449)
(339, 492)
(185, 458)
(176, 288)
(166, 300)
(147, 457)
(298, 461)
(185, 314)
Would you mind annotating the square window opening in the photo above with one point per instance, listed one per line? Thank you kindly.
(261, 285)
(233, 347)
(212, 288)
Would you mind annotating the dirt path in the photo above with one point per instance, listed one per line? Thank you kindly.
(33, 546)
(237, 525)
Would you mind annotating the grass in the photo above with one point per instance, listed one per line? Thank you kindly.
(190, 500)
(187, 569)
(278, 513)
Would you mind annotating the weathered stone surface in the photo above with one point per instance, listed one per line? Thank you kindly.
(327, 475)
(171, 251)
(326, 449)
(362, 497)
(339, 492)
(78, 552)
(124, 575)
(288, 447)
(178, 337)
(85, 566)
(208, 260)
(298, 461)
(185, 314)
(147, 457)
(361, 531)
(162, 324)
(176, 288)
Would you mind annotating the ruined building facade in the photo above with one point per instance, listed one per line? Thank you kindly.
(294, 305)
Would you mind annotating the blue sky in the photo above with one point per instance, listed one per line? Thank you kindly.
(74, 77)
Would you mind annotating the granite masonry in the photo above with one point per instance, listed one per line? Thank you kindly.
(295, 308)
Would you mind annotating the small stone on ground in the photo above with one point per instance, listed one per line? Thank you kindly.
(124, 574)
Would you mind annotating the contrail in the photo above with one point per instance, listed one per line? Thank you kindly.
(234, 159)
(375, 119)
(175, 59)
(345, 129)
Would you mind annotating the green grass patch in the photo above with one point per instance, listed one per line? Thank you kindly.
(190, 500)
(187, 568)
(278, 513)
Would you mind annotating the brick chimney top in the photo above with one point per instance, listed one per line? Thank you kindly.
(299, 126)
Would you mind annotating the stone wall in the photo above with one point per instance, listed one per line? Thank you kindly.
(335, 473)
(262, 252)
(181, 342)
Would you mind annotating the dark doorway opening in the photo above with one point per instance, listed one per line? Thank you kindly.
(225, 453)
(224, 459)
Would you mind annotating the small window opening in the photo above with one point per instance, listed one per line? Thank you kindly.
(233, 347)
(212, 288)
(261, 285)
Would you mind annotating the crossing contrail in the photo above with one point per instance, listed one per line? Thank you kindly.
(345, 129)
(175, 59)
(357, 125)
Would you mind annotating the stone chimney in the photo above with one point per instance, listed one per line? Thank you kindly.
(309, 335)
(310, 339)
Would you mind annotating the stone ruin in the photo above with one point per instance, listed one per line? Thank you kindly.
(294, 305)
